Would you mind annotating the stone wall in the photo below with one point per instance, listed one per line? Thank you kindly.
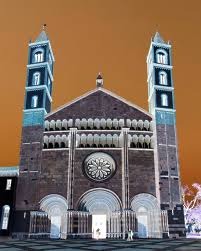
(141, 172)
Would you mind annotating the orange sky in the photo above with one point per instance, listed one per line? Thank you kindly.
(111, 36)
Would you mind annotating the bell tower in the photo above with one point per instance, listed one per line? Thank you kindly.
(38, 99)
(162, 107)
(38, 90)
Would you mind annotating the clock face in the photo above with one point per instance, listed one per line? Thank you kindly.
(99, 166)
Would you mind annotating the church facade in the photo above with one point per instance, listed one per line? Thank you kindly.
(98, 165)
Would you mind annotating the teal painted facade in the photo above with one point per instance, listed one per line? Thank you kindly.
(165, 117)
(35, 117)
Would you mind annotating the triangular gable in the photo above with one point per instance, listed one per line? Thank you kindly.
(93, 92)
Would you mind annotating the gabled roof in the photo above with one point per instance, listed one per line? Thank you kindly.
(42, 37)
(158, 39)
(105, 91)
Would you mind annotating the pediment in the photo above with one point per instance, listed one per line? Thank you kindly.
(99, 103)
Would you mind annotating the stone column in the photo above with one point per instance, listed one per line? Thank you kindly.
(125, 179)
(72, 146)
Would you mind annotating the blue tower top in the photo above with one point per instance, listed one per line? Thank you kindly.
(38, 90)
(160, 81)
(158, 39)
(42, 37)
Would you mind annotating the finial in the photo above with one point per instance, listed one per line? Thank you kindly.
(158, 39)
(99, 80)
(44, 26)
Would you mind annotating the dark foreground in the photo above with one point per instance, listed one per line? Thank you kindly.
(75, 245)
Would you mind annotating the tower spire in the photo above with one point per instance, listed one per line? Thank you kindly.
(158, 39)
(43, 35)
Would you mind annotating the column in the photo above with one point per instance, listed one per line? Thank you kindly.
(125, 179)
(72, 146)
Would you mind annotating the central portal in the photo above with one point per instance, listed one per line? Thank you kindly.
(104, 209)
(55, 227)
(99, 226)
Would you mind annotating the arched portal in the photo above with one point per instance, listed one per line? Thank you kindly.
(148, 215)
(56, 207)
(104, 207)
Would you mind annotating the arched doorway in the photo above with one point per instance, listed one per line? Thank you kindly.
(56, 207)
(104, 207)
(148, 215)
(142, 221)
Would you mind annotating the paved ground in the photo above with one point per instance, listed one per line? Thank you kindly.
(86, 245)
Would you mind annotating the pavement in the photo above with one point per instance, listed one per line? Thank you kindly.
(106, 244)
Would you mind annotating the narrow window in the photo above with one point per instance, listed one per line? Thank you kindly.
(163, 78)
(48, 83)
(50, 59)
(36, 78)
(8, 184)
(164, 99)
(38, 57)
(41, 57)
(5, 217)
(34, 101)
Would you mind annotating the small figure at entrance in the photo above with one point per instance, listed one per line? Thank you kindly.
(130, 235)
(99, 223)
(98, 233)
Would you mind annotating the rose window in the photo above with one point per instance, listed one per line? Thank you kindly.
(99, 166)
